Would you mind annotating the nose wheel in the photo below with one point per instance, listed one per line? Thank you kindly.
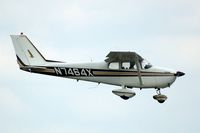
(159, 97)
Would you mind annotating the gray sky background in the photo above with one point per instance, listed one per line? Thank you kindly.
(167, 33)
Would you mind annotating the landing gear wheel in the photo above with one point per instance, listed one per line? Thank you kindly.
(159, 97)
(161, 101)
(124, 97)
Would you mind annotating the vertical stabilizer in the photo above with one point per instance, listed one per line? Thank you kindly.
(26, 52)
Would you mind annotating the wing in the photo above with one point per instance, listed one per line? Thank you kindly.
(115, 56)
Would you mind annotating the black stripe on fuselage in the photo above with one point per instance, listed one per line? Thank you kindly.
(86, 72)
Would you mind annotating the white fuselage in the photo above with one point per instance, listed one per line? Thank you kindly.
(100, 73)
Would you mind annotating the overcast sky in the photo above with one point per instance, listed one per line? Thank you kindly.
(167, 33)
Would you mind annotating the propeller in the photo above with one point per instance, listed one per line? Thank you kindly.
(179, 74)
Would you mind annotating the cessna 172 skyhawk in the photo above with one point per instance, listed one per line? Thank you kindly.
(125, 69)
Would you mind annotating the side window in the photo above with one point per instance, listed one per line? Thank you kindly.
(114, 65)
(133, 65)
(126, 65)
(145, 64)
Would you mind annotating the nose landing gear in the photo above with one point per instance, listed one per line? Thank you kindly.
(159, 97)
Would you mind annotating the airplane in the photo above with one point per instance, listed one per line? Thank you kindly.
(121, 68)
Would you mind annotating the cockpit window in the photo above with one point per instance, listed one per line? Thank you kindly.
(128, 65)
(145, 64)
(125, 65)
(114, 65)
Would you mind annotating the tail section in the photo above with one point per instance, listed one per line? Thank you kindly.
(26, 52)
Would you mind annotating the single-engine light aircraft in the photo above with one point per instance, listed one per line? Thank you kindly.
(126, 69)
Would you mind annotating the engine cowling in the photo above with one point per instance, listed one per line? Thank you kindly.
(124, 93)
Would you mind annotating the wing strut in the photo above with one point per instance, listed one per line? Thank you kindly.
(138, 69)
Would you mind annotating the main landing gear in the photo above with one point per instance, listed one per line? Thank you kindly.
(124, 93)
(159, 97)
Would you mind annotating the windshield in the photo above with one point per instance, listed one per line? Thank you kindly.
(146, 64)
